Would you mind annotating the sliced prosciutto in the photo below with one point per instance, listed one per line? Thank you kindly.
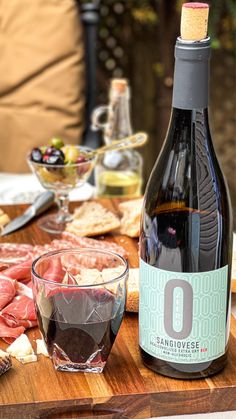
(54, 271)
(20, 272)
(86, 242)
(9, 334)
(7, 290)
(23, 289)
(16, 303)
(20, 312)
(12, 253)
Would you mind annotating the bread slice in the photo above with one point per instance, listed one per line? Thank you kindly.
(131, 214)
(92, 219)
(132, 301)
(94, 276)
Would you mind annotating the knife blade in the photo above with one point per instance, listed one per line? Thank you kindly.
(41, 204)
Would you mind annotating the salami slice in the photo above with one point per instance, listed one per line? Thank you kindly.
(12, 253)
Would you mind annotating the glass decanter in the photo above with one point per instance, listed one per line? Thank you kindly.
(117, 173)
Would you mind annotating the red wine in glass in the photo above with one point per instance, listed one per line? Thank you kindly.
(82, 327)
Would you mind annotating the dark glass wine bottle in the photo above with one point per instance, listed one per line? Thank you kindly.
(185, 242)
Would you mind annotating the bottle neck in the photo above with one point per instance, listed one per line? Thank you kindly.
(118, 124)
(191, 75)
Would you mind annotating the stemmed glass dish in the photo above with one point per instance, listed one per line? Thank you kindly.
(61, 179)
(80, 300)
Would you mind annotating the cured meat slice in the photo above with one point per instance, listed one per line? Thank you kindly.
(12, 253)
(23, 289)
(3, 266)
(21, 271)
(54, 272)
(20, 312)
(86, 242)
(40, 249)
(9, 333)
(7, 290)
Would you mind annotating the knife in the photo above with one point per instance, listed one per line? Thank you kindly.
(41, 204)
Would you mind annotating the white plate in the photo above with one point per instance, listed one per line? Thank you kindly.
(23, 189)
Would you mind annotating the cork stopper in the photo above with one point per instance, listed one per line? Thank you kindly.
(194, 21)
(119, 85)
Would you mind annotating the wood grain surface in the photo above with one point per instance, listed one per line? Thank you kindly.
(125, 390)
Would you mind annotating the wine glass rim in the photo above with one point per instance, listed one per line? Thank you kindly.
(59, 166)
(79, 250)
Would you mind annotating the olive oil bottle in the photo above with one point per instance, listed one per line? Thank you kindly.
(117, 173)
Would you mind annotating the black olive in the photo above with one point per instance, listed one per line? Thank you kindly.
(36, 155)
(54, 159)
(59, 153)
(50, 150)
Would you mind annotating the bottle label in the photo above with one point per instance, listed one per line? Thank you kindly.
(182, 316)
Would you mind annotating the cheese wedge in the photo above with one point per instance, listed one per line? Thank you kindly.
(3, 354)
(41, 348)
(27, 358)
(21, 347)
(4, 219)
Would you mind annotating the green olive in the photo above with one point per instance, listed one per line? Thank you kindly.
(57, 143)
(71, 154)
(43, 149)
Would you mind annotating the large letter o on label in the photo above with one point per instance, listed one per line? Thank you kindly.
(187, 315)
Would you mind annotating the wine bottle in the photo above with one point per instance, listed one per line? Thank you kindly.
(117, 173)
(186, 233)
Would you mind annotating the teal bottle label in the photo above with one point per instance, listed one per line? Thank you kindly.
(182, 316)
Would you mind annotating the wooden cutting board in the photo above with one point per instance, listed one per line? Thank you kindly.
(126, 389)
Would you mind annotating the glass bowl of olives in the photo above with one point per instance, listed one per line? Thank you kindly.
(60, 168)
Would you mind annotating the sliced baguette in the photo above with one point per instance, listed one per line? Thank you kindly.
(132, 301)
(92, 219)
(131, 214)
(94, 276)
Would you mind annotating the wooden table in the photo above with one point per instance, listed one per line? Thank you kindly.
(126, 389)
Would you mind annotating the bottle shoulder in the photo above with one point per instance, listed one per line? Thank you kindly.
(187, 168)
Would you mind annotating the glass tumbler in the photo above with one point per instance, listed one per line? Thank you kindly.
(80, 297)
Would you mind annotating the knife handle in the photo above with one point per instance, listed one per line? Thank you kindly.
(42, 202)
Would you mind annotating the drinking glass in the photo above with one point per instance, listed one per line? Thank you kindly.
(61, 179)
(80, 299)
